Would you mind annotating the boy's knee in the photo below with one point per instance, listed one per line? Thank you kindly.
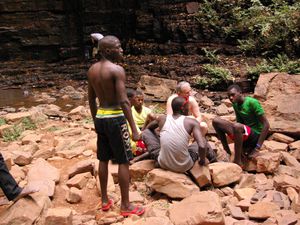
(217, 121)
(238, 128)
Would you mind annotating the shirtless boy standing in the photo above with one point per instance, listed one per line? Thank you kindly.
(106, 81)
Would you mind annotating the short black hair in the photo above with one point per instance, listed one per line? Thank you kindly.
(138, 92)
(130, 92)
(234, 86)
(177, 104)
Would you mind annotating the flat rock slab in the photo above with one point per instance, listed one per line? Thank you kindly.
(199, 209)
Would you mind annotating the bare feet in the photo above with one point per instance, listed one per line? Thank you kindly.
(27, 190)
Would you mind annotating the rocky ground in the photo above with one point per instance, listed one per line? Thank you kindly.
(56, 151)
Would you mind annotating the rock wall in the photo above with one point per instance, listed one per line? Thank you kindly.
(55, 30)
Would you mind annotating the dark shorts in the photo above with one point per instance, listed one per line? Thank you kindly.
(113, 139)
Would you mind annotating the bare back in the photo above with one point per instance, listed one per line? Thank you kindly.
(107, 80)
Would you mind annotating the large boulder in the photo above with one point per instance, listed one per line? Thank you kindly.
(224, 173)
(279, 94)
(200, 208)
(156, 88)
(175, 185)
(26, 211)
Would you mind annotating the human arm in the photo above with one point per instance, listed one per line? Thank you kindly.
(123, 100)
(92, 98)
(169, 109)
(201, 142)
(194, 107)
(263, 119)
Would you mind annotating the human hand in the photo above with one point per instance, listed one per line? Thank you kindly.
(203, 162)
(136, 136)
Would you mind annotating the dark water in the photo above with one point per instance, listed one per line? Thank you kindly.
(17, 98)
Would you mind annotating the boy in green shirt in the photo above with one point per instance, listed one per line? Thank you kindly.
(251, 128)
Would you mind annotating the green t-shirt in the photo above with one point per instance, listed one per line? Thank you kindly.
(248, 113)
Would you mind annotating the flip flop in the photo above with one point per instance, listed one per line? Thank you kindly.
(136, 211)
(108, 205)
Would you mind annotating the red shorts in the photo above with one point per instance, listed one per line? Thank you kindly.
(246, 134)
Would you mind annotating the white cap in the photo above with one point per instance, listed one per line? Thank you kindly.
(97, 36)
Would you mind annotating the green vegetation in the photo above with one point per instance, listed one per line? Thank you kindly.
(215, 77)
(12, 134)
(15, 132)
(2, 121)
(211, 56)
(281, 63)
(27, 124)
(259, 27)
(157, 109)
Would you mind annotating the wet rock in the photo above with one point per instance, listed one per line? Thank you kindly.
(175, 185)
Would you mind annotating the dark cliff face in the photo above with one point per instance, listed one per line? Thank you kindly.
(55, 30)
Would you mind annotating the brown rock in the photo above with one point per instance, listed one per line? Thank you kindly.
(82, 167)
(61, 216)
(201, 175)
(290, 160)
(281, 138)
(282, 182)
(79, 180)
(22, 158)
(268, 162)
(244, 193)
(224, 173)
(26, 210)
(295, 145)
(140, 169)
(175, 185)
(236, 212)
(287, 170)
(275, 89)
(274, 146)
(74, 195)
(200, 208)
(263, 210)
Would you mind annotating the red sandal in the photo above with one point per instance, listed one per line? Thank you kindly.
(108, 205)
(136, 211)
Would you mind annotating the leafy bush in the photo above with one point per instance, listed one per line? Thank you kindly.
(27, 124)
(215, 77)
(281, 63)
(211, 56)
(2, 121)
(257, 26)
(15, 132)
(12, 134)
